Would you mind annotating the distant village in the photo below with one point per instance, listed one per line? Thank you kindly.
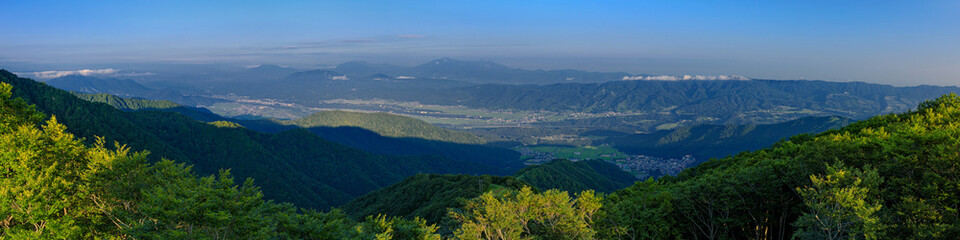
(644, 167)
(641, 166)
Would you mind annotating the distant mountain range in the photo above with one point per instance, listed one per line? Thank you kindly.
(481, 84)
(265, 72)
(487, 85)
(478, 72)
(735, 100)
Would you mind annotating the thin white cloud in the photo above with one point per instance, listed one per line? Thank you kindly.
(85, 72)
(685, 77)
(133, 74)
(344, 77)
(358, 40)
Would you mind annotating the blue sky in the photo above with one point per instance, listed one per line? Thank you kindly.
(893, 42)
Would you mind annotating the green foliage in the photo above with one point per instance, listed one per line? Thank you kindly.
(380, 227)
(15, 112)
(642, 211)
(578, 176)
(527, 215)
(40, 194)
(225, 124)
(841, 205)
(385, 124)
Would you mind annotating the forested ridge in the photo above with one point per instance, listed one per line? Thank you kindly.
(569, 176)
(388, 125)
(428, 196)
(716, 141)
(127, 103)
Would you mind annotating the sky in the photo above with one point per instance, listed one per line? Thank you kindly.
(890, 42)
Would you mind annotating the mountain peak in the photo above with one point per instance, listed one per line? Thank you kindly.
(268, 67)
(367, 68)
(73, 77)
(318, 74)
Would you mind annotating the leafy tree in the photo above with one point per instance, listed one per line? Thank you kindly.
(382, 228)
(528, 215)
(41, 174)
(225, 124)
(842, 204)
(642, 211)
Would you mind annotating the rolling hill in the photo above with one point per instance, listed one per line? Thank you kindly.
(388, 125)
(570, 176)
(428, 196)
(715, 141)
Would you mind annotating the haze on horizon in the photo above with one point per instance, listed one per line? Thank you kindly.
(889, 42)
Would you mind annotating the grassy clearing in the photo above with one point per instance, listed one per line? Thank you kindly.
(585, 152)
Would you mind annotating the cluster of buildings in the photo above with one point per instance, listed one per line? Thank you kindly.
(643, 166)
(535, 157)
